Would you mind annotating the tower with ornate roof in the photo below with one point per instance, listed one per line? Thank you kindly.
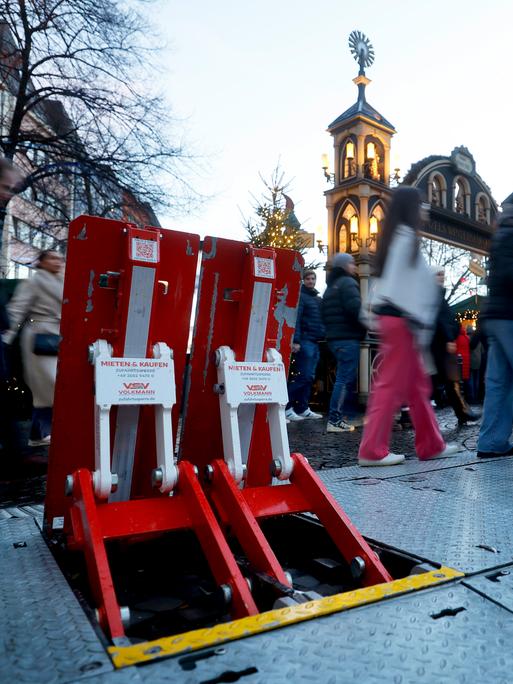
(361, 146)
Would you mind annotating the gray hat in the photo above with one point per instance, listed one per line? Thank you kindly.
(342, 260)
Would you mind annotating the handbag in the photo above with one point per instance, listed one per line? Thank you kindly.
(46, 344)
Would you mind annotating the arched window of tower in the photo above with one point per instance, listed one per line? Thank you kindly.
(437, 190)
(461, 196)
(374, 159)
(482, 214)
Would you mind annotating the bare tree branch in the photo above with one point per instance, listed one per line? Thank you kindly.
(76, 78)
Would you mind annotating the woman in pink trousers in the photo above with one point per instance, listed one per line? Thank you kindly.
(405, 298)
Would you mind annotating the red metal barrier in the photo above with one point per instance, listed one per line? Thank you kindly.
(127, 304)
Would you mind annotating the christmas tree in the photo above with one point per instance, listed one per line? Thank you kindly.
(276, 224)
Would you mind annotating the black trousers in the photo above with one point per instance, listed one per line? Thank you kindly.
(451, 389)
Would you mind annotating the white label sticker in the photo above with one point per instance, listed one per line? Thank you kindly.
(255, 383)
(145, 250)
(264, 268)
(58, 523)
(135, 381)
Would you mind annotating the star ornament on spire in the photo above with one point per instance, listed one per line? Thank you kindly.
(361, 49)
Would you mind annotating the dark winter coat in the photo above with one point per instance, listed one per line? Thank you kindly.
(447, 330)
(309, 325)
(341, 307)
(500, 281)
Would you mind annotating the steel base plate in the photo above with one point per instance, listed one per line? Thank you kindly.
(45, 634)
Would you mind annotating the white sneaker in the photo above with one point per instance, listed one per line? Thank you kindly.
(309, 414)
(44, 441)
(292, 416)
(450, 450)
(389, 460)
(341, 426)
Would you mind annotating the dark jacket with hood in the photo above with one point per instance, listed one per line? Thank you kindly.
(500, 281)
(341, 307)
(309, 325)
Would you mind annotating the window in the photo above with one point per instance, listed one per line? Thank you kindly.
(18, 270)
(437, 192)
(482, 209)
(461, 196)
(349, 159)
(22, 231)
(349, 228)
(374, 159)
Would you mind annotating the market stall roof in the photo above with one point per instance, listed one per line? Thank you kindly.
(470, 304)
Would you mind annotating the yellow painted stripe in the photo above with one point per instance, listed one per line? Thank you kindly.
(125, 656)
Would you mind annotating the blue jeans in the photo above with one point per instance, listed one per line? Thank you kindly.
(497, 422)
(41, 422)
(347, 354)
(300, 385)
(474, 386)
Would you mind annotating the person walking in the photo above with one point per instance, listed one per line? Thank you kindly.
(497, 321)
(477, 353)
(463, 351)
(405, 299)
(10, 456)
(444, 349)
(305, 347)
(36, 305)
(341, 304)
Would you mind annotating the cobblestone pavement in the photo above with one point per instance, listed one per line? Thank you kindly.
(335, 450)
(309, 437)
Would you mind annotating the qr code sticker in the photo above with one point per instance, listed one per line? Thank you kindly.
(264, 268)
(144, 250)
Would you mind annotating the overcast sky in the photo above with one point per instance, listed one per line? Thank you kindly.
(258, 83)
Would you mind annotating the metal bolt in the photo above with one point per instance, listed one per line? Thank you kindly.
(90, 355)
(125, 615)
(68, 486)
(157, 476)
(275, 467)
(357, 567)
(115, 482)
(218, 388)
(209, 473)
(153, 650)
(227, 593)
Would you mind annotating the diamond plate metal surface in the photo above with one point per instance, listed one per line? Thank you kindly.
(411, 465)
(129, 675)
(405, 641)
(453, 516)
(45, 637)
(496, 585)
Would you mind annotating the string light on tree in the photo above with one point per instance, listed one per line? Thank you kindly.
(277, 224)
